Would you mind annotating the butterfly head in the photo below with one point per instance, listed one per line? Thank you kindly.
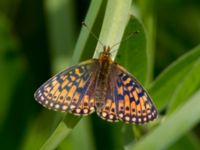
(105, 55)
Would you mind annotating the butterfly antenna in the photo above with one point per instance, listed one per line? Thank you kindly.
(127, 38)
(92, 33)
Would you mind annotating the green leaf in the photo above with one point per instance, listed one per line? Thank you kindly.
(132, 52)
(38, 131)
(175, 126)
(187, 86)
(82, 134)
(115, 21)
(63, 129)
(189, 141)
(163, 88)
(84, 34)
(146, 12)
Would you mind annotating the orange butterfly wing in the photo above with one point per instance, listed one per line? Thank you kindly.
(71, 90)
(126, 99)
(134, 105)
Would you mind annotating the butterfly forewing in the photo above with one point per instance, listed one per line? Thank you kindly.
(70, 90)
(133, 103)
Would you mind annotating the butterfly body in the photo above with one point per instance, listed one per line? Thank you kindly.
(99, 85)
(102, 78)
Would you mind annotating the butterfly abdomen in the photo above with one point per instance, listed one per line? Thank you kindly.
(102, 82)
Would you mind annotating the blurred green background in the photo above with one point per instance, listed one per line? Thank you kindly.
(39, 38)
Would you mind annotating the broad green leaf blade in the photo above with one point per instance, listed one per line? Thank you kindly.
(146, 13)
(187, 86)
(175, 126)
(162, 89)
(132, 52)
(189, 141)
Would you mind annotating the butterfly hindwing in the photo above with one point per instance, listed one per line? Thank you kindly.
(133, 103)
(70, 90)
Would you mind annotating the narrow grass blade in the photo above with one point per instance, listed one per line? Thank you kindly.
(115, 20)
(84, 34)
(187, 86)
(175, 126)
(163, 88)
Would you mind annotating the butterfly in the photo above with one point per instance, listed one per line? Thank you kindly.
(99, 85)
